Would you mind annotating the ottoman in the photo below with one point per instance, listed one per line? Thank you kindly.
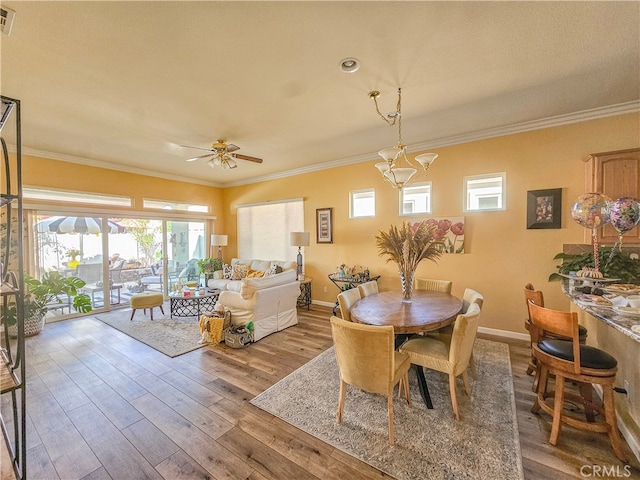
(146, 300)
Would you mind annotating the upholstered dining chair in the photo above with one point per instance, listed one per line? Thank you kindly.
(346, 299)
(443, 286)
(450, 357)
(562, 355)
(367, 360)
(469, 297)
(368, 288)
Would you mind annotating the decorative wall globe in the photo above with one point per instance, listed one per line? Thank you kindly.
(592, 210)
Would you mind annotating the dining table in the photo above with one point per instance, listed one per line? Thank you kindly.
(428, 311)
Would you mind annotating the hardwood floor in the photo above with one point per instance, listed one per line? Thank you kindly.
(104, 406)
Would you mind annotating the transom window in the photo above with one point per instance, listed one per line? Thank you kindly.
(362, 203)
(173, 205)
(485, 192)
(415, 199)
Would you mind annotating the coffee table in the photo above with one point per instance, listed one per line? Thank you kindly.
(192, 305)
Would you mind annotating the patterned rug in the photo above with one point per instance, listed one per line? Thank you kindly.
(171, 336)
(429, 444)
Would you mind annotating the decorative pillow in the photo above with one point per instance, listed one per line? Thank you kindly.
(227, 271)
(255, 274)
(275, 269)
(239, 271)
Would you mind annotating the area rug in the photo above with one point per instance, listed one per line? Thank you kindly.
(429, 444)
(171, 336)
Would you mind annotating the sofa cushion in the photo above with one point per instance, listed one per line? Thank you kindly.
(240, 271)
(227, 271)
(252, 285)
(260, 265)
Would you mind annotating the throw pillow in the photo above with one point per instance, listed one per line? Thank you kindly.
(239, 271)
(255, 274)
(275, 269)
(227, 271)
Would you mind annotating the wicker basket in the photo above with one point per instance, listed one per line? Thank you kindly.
(216, 325)
(238, 338)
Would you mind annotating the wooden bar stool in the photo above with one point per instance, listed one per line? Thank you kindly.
(569, 360)
(537, 297)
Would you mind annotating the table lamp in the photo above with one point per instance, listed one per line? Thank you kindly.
(219, 241)
(299, 239)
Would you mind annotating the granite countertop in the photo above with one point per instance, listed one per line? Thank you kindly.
(628, 324)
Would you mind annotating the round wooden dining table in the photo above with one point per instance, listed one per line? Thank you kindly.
(427, 311)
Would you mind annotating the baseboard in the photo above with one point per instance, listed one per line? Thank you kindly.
(324, 304)
(504, 333)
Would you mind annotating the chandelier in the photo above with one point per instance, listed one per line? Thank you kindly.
(397, 169)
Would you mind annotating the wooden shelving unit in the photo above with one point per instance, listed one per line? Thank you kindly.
(12, 347)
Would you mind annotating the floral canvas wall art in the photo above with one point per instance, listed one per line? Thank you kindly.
(452, 229)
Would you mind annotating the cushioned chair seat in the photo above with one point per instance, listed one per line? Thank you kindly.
(146, 300)
(590, 357)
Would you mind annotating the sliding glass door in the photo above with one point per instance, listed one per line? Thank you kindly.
(117, 257)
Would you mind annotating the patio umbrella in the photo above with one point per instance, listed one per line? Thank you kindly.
(77, 225)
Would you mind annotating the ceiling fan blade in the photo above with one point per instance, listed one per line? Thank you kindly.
(198, 148)
(248, 158)
(232, 148)
(193, 159)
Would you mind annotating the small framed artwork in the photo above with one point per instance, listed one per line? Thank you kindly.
(324, 225)
(544, 208)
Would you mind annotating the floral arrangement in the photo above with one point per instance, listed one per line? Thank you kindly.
(408, 245)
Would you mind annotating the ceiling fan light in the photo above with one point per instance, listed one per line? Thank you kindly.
(217, 161)
(390, 154)
(211, 163)
(426, 159)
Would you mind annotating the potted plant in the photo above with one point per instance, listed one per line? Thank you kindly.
(39, 294)
(615, 264)
(207, 266)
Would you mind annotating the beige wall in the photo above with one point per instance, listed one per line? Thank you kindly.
(45, 173)
(501, 254)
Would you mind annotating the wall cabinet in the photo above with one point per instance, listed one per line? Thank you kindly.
(616, 174)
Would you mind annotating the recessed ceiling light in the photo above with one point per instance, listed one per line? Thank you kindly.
(349, 65)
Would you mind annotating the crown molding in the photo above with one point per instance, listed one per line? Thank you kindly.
(556, 121)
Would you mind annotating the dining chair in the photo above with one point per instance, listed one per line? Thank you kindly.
(368, 288)
(451, 358)
(562, 355)
(443, 286)
(367, 360)
(346, 299)
(469, 297)
(537, 297)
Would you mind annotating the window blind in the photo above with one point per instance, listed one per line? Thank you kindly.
(263, 229)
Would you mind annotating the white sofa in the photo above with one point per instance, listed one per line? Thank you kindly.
(269, 302)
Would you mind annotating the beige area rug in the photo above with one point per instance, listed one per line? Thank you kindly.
(171, 336)
(430, 444)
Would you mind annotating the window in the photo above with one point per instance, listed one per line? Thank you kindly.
(31, 193)
(264, 228)
(171, 205)
(485, 192)
(363, 203)
(415, 199)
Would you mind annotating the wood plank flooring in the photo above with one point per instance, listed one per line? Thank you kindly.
(104, 406)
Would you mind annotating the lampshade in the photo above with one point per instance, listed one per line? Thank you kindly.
(299, 239)
(390, 154)
(399, 176)
(219, 240)
(426, 159)
(382, 166)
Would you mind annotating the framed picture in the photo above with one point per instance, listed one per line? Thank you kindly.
(544, 208)
(324, 225)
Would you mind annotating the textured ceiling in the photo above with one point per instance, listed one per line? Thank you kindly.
(124, 84)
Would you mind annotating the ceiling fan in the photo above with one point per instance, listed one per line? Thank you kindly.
(221, 154)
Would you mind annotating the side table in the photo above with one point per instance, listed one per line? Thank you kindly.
(347, 282)
(304, 300)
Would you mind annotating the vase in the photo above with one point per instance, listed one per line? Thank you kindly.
(73, 263)
(406, 283)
